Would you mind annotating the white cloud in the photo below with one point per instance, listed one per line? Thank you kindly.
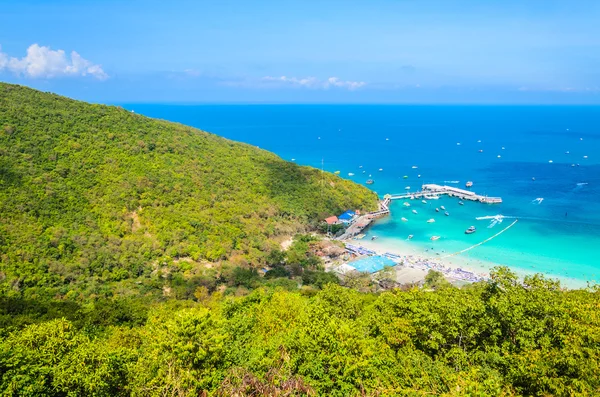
(313, 82)
(43, 62)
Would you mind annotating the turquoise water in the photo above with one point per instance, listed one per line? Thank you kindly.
(372, 264)
(558, 237)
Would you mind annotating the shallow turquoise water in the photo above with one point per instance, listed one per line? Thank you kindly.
(558, 237)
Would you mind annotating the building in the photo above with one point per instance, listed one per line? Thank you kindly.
(347, 217)
(332, 220)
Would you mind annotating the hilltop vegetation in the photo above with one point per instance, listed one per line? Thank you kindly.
(490, 339)
(93, 197)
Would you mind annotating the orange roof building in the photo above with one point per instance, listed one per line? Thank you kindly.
(332, 220)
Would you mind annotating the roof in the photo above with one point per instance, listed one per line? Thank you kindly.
(346, 216)
(331, 220)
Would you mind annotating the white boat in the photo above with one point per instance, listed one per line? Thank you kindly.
(418, 176)
(410, 236)
(461, 203)
(499, 156)
(442, 208)
(437, 210)
(381, 169)
(434, 238)
(406, 204)
(414, 211)
(350, 174)
(502, 147)
(293, 159)
(585, 157)
(360, 166)
(407, 188)
(424, 202)
(457, 143)
(403, 219)
(432, 197)
(414, 167)
(430, 220)
(550, 161)
(447, 213)
(479, 141)
(469, 184)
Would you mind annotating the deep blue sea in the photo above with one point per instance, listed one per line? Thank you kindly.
(559, 146)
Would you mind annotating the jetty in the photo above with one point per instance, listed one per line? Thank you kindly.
(364, 221)
(431, 190)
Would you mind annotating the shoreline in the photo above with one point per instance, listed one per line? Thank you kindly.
(448, 266)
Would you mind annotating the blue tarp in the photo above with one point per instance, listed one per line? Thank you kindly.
(372, 264)
(346, 216)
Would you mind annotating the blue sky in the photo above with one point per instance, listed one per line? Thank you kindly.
(288, 51)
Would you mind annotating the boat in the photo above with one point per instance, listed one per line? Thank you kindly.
(434, 238)
(437, 210)
(461, 203)
(405, 177)
(431, 220)
(533, 178)
(414, 211)
(418, 176)
(414, 167)
(442, 208)
(585, 157)
(350, 174)
(369, 181)
(404, 219)
(387, 139)
(406, 204)
(337, 172)
(432, 197)
(502, 147)
(480, 151)
(424, 201)
(360, 166)
(470, 230)
(469, 184)
(447, 213)
(479, 141)
(364, 172)
(499, 156)
(567, 152)
(293, 159)
(410, 236)
(550, 161)
(381, 169)
(373, 238)
(407, 188)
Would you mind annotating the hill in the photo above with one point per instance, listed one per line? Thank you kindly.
(92, 195)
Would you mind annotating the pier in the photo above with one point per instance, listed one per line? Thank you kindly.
(433, 190)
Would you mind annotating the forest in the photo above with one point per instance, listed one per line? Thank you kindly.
(140, 257)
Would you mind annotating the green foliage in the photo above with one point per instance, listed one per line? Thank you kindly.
(436, 280)
(93, 197)
(500, 338)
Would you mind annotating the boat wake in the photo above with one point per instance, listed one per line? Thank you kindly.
(537, 201)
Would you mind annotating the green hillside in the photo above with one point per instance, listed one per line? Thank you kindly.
(92, 195)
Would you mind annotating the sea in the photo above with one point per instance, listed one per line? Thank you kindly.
(543, 161)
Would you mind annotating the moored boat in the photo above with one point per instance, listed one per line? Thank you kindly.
(447, 213)
(470, 230)
(414, 211)
(430, 220)
(369, 181)
(434, 238)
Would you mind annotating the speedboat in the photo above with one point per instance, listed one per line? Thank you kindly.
(442, 208)
(337, 172)
(414, 167)
(381, 169)
(470, 230)
(424, 201)
(405, 177)
(434, 238)
(480, 151)
(437, 210)
(469, 184)
(369, 181)
(430, 220)
(407, 188)
(447, 213)
(418, 176)
(410, 236)
(373, 238)
(414, 211)
(585, 157)
(406, 204)
(350, 174)
(404, 219)
(461, 203)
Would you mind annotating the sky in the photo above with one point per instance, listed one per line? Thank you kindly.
(305, 51)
